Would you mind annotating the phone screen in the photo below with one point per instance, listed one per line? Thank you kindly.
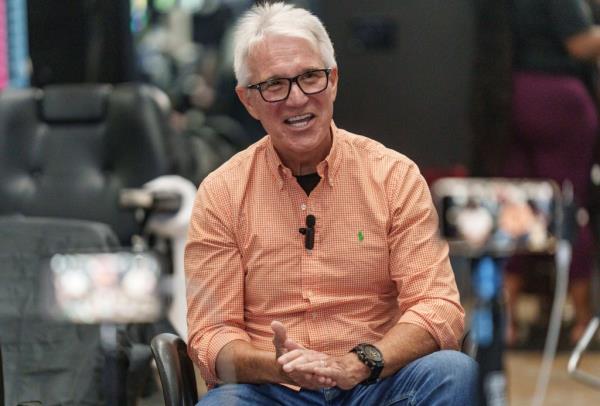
(117, 287)
(497, 215)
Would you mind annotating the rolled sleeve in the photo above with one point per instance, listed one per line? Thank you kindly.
(427, 292)
(207, 346)
(214, 279)
(446, 329)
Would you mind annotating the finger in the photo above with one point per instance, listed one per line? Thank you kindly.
(306, 362)
(280, 333)
(309, 381)
(327, 371)
(292, 345)
(298, 364)
(325, 381)
(290, 356)
(320, 381)
(329, 368)
(280, 341)
(304, 380)
(309, 366)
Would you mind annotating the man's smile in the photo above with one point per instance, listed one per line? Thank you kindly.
(300, 121)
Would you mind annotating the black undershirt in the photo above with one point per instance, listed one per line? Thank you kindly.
(308, 182)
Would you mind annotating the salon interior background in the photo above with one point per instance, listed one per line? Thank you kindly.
(405, 65)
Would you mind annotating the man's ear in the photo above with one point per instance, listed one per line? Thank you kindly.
(245, 97)
(334, 78)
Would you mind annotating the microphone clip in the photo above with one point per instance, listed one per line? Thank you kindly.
(309, 232)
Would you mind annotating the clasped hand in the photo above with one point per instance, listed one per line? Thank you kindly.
(312, 369)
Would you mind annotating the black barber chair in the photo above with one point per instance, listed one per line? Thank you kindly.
(45, 360)
(175, 369)
(66, 153)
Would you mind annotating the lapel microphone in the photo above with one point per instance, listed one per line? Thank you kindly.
(309, 232)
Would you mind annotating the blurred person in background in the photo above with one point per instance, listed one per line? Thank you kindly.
(314, 268)
(553, 126)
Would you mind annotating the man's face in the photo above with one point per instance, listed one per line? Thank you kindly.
(299, 125)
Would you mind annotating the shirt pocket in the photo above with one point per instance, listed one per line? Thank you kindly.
(356, 258)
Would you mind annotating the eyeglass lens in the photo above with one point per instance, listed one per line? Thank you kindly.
(310, 83)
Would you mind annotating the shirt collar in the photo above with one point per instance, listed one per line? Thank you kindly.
(326, 168)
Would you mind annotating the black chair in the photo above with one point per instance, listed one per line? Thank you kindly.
(66, 154)
(2, 387)
(175, 369)
(67, 151)
(45, 360)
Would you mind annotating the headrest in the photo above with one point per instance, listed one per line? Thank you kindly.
(74, 103)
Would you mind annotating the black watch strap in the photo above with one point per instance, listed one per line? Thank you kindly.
(370, 355)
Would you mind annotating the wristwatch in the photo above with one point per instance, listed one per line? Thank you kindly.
(370, 356)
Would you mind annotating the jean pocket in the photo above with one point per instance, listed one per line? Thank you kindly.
(401, 399)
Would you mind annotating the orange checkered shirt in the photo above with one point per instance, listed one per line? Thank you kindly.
(377, 258)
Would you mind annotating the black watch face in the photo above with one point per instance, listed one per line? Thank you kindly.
(372, 353)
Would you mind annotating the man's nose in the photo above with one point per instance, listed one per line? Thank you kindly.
(296, 96)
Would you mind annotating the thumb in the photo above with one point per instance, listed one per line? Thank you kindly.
(280, 334)
(281, 340)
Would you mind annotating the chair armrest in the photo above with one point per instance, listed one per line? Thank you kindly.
(175, 369)
(468, 346)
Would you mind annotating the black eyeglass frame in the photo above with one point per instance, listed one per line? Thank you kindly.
(257, 86)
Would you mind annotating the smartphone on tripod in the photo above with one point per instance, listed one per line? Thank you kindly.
(498, 215)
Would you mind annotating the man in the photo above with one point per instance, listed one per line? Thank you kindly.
(313, 266)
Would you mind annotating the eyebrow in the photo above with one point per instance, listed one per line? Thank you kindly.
(288, 77)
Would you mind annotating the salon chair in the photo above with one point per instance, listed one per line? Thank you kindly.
(68, 150)
(67, 153)
(175, 369)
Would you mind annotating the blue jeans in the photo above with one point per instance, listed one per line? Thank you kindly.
(442, 378)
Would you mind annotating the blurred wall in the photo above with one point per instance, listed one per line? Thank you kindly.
(405, 69)
(73, 41)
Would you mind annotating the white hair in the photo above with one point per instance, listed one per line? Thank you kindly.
(277, 19)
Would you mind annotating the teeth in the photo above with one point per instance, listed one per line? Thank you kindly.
(294, 120)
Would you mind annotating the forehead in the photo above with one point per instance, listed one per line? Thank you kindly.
(282, 56)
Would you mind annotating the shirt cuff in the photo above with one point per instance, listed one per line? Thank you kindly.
(214, 346)
(444, 335)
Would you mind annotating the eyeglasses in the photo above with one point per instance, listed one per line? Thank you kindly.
(278, 89)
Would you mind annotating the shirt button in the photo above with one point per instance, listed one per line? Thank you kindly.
(314, 315)
(303, 206)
